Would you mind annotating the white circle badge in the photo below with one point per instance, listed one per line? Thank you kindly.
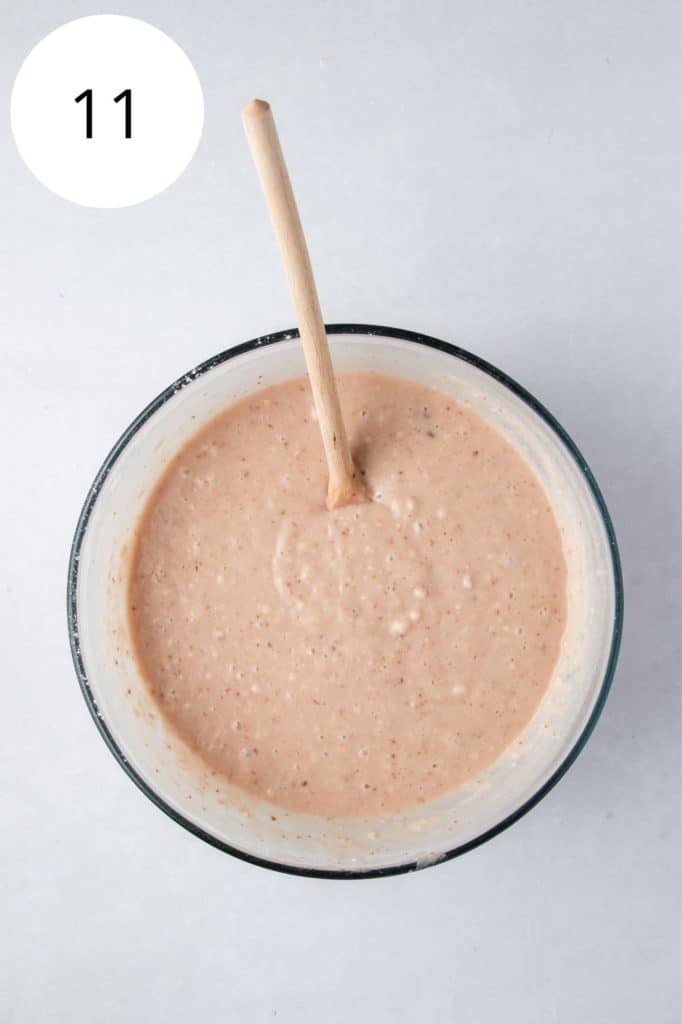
(107, 111)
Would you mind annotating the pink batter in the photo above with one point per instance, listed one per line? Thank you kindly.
(359, 661)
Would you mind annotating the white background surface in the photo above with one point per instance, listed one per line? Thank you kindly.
(502, 174)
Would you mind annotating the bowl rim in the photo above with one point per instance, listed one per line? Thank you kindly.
(186, 379)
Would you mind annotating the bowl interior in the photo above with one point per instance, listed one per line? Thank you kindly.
(176, 779)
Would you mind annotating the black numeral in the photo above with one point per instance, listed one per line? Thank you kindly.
(87, 96)
(126, 95)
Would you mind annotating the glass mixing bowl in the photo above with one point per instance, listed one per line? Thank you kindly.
(227, 817)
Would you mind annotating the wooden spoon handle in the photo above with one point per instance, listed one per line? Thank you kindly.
(345, 483)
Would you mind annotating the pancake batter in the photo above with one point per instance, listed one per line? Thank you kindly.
(359, 661)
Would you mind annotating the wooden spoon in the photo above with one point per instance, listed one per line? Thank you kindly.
(345, 482)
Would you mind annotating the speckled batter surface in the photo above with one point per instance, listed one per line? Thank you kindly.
(359, 661)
